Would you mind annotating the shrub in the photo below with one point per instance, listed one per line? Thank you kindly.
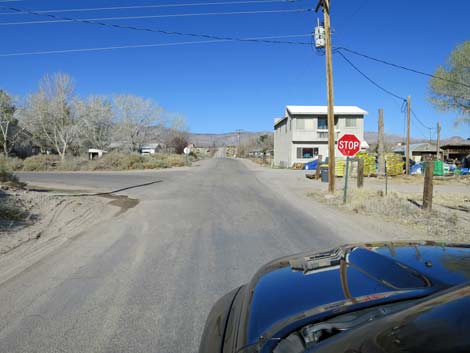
(7, 177)
(9, 211)
(41, 162)
(73, 164)
(13, 163)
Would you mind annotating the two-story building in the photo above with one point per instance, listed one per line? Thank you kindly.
(302, 134)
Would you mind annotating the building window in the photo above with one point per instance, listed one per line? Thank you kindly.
(350, 122)
(306, 152)
(304, 124)
(322, 134)
(322, 123)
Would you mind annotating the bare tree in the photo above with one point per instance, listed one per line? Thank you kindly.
(95, 121)
(10, 130)
(177, 136)
(48, 113)
(134, 116)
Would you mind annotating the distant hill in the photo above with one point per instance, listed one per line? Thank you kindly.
(389, 139)
(225, 139)
(230, 138)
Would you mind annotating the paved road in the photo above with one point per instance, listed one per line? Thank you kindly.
(145, 281)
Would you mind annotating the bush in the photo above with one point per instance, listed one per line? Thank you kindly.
(110, 161)
(117, 161)
(13, 163)
(9, 211)
(6, 176)
(73, 164)
(41, 162)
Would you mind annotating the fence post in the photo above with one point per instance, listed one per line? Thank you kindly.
(317, 172)
(428, 186)
(386, 178)
(360, 173)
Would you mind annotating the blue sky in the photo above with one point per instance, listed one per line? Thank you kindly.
(221, 87)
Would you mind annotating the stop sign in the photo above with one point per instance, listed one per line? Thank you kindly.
(349, 145)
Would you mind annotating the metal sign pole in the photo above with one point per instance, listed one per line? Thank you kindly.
(346, 181)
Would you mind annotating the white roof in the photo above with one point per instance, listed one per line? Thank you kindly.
(323, 109)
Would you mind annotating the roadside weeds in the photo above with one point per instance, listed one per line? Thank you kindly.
(443, 223)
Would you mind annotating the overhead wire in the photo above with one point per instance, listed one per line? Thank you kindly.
(114, 18)
(401, 66)
(154, 6)
(160, 31)
(403, 99)
(63, 51)
(419, 121)
(369, 79)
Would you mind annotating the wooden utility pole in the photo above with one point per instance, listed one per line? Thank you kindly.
(408, 119)
(325, 4)
(380, 143)
(428, 187)
(360, 173)
(317, 172)
(438, 145)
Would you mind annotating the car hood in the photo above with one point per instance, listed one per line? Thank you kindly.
(303, 286)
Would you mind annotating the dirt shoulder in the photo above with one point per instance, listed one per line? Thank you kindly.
(375, 221)
(48, 220)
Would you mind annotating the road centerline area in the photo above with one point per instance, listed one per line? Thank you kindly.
(145, 281)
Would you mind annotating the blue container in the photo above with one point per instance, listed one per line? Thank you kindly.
(311, 165)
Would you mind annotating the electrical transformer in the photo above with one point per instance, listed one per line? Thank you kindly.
(319, 36)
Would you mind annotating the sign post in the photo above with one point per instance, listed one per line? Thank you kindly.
(187, 151)
(348, 145)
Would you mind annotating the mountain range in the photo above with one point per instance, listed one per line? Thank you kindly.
(231, 138)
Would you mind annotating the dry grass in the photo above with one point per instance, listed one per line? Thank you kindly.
(439, 224)
(110, 161)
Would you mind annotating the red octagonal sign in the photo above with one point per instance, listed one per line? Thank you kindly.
(349, 145)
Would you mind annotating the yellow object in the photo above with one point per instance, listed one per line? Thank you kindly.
(394, 164)
(370, 167)
(340, 165)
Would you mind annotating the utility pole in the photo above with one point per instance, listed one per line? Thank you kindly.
(325, 5)
(380, 142)
(408, 110)
(238, 131)
(438, 145)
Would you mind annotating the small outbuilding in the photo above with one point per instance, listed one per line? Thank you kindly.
(95, 153)
(150, 148)
(418, 150)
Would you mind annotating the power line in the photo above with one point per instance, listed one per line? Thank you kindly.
(401, 66)
(153, 6)
(419, 121)
(386, 91)
(141, 46)
(152, 16)
(160, 31)
(368, 78)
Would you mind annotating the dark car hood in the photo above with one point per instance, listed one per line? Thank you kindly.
(309, 284)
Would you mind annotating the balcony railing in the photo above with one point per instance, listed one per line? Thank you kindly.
(323, 133)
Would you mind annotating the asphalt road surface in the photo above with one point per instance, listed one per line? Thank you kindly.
(146, 280)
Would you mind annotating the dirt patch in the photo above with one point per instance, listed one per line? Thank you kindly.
(125, 203)
(46, 215)
(441, 224)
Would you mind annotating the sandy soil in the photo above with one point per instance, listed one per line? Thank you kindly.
(49, 216)
(52, 220)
